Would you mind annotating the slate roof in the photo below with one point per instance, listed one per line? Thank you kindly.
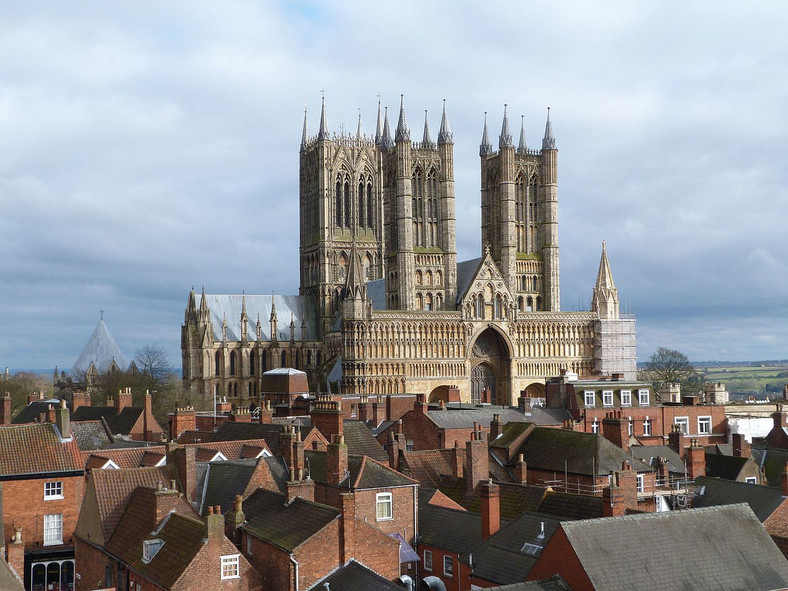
(514, 498)
(711, 548)
(33, 411)
(721, 466)
(91, 434)
(222, 481)
(466, 271)
(93, 413)
(427, 466)
(504, 556)
(286, 525)
(650, 453)
(8, 580)
(270, 432)
(456, 531)
(183, 538)
(361, 442)
(228, 307)
(580, 453)
(763, 500)
(566, 505)
(119, 423)
(364, 472)
(555, 583)
(354, 576)
(35, 449)
(464, 419)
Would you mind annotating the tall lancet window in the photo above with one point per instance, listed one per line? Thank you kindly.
(338, 204)
(533, 214)
(431, 233)
(370, 206)
(362, 218)
(418, 212)
(347, 203)
(519, 213)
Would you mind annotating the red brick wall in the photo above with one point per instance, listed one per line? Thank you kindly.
(558, 557)
(24, 506)
(205, 570)
(271, 562)
(318, 556)
(376, 550)
(90, 563)
(452, 583)
(402, 510)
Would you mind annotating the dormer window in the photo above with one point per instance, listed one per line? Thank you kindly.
(150, 548)
(588, 398)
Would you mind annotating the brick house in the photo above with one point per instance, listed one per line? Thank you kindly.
(42, 479)
(294, 543)
(618, 553)
(159, 545)
(123, 419)
(589, 402)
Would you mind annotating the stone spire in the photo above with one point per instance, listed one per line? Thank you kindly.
(272, 319)
(548, 142)
(427, 140)
(605, 296)
(323, 133)
(379, 129)
(359, 133)
(244, 318)
(259, 328)
(204, 313)
(353, 283)
(485, 149)
(304, 133)
(386, 143)
(505, 141)
(403, 133)
(522, 146)
(445, 136)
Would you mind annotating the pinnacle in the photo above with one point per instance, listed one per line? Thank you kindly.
(445, 135)
(403, 133)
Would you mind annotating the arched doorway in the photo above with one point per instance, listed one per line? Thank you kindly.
(490, 369)
(438, 394)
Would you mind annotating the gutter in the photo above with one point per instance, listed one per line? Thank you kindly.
(295, 564)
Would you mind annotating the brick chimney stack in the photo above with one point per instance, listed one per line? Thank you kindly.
(477, 461)
(348, 531)
(420, 406)
(5, 409)
(785, 479)
(80, 398)
(521, 470)
(16, 554)
(696, 460)
(456, 458)
(183, 458)
(327, 416)
(63, 420)
(491, 509)
(214, 524)
(336, 467)
(123, 400)
(676, 440)
(234, 520)
(495, 427)
(741, 447)
(183, 419)
(615, 429)
(613, 500)
(266, 412)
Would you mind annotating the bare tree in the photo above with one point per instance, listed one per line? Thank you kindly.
(152, 361)
(668, 366)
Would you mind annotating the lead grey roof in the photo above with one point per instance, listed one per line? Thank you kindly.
(354, 576)
(763, 500)
(100, 350)
(711, 548)
(466, 271)
(228, 307)
(376, 293)
(465, 418)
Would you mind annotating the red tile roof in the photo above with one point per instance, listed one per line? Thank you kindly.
(36, 449)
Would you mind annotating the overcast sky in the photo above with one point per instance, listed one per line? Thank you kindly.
(146, 147)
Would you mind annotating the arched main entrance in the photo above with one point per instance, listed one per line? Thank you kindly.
(490, 369)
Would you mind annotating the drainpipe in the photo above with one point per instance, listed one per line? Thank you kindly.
(416, 525)
(295, 564)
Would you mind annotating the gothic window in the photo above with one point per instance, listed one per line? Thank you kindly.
(438, 278)
(250, 389)
(519, 213)
(480, 306)
(342, 269)
(439, 302)
(319, 358)
(418, 277)
(232, 363)
(533, 213)
(419, 302)
(284, 359)
(347, 203)
(252, 362)
(265, 361)
(530, 305)
(370, 207)
(217, 358)
(432, 208)
(539, 302)
(362, 218)
(309, 357)
(235, 389)
(520, 304)
(497, 307)
(429, 277)
(429, 302)
(338, 203)
(366, 266)
(229, 389)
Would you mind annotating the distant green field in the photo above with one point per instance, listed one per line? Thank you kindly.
(746, 380)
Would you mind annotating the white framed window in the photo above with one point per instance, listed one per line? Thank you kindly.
(383, 507)
(704, 425)
(751, 480)
(448, 566)
(646, 426)
(607, 397)
(683, 423)
(630, 427)
(588, 398)
(643, 398)
(595, 426)
(53, 489)
(53, 529)
(428, 560)
(409, 445)
(231, 566)
(641, 483)
(626, 397)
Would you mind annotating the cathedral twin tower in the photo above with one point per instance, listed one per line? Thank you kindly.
(384, 307)
(392, 201)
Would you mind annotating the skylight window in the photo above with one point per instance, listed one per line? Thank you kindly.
(531, 549)
(150, 548)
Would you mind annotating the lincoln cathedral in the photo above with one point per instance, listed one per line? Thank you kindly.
(385, 307)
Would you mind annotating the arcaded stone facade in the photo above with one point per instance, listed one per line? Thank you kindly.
(385, 307)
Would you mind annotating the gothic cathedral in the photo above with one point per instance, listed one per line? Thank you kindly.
(384, 307)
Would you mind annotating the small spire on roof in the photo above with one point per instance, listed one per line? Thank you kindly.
(323, 133)
(359, 134)
(386, 143)
(379, 128)
(485, 149)
(505, 140)
(304, 132)
(445, 136)
(548, 142)
(403, 133)
(523, 146)
(427, 140)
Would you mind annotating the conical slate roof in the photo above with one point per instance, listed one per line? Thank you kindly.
(100, 350)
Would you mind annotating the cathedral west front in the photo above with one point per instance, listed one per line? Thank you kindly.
(384, 306)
